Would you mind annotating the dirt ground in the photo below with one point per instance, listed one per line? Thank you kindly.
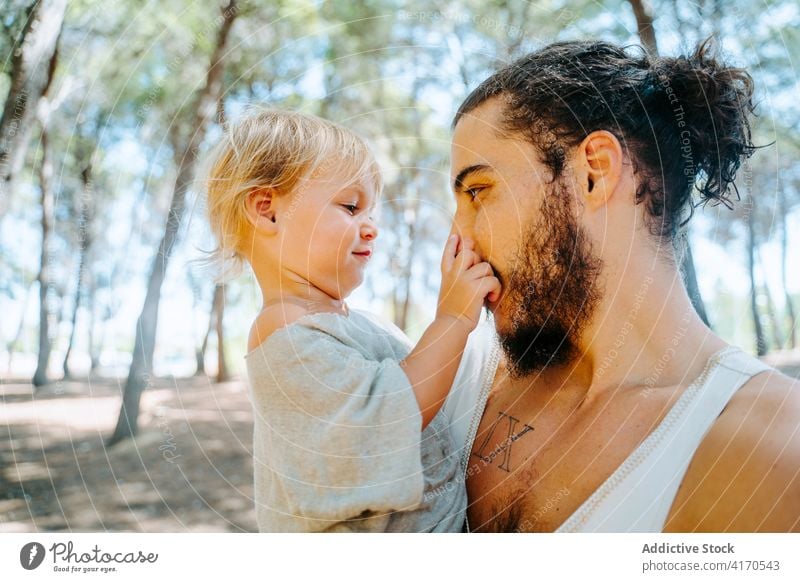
(189, 469)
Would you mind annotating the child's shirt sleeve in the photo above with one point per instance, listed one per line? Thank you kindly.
(337, 434)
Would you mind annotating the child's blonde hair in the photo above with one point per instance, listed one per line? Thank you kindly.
(273, 148)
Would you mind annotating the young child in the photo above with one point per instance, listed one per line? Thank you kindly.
(347, 436)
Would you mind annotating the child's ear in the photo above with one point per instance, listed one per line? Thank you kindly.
(260, 208)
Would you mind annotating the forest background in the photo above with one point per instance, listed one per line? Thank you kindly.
(110, 328)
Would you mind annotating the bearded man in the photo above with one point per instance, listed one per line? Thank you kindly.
(603, 402)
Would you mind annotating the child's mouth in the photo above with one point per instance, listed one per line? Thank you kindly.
(363, 254)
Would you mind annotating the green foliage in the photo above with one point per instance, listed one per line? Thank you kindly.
(395, 70)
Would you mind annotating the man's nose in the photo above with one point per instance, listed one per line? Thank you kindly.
(462, 225)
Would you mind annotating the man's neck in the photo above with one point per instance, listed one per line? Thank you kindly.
(645, 333)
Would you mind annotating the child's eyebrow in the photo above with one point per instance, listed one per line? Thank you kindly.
(349, 190)
(360, 193)
(458, 183)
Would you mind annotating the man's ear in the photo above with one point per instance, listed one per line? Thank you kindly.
(599, 161)
(260, 208)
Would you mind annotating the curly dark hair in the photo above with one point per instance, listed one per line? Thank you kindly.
(684, 121)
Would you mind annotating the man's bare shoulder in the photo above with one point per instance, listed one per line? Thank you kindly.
(745, 476)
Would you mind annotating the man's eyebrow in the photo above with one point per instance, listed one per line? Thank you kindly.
(459, 181)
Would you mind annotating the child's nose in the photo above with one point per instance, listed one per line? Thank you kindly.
(368, 230)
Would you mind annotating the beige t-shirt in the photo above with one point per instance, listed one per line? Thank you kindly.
(337, 438)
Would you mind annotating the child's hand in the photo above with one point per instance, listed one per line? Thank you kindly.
(466, 282)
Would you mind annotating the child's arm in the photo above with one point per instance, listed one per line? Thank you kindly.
(432, 365)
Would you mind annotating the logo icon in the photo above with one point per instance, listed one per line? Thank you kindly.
(31, 555)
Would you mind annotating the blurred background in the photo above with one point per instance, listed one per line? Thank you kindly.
(110, 328)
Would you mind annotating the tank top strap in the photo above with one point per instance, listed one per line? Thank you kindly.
(742, 362)
(734, 369)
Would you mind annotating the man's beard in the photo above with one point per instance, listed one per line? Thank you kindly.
(552, 290)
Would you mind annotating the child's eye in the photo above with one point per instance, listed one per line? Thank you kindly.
(351, 208)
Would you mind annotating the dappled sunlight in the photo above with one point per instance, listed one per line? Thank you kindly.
(189, 469)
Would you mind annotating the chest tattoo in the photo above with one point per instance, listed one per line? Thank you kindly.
(507, 424)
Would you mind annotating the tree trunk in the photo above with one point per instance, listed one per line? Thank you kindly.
(94, 348)
(200, 353)
(46, 184)
(790, 314)
(108, 314)
(218, 302)
(74, 318)
(774, 321)
(84, 243)
(12, 345)
(32, 67)
(405, 210)
(772, 312)
(644, 24)
(42, 111)
(690, 280)
(144, 348)
(761, 344)
(223, 374)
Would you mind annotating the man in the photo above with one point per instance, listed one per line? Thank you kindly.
(613, 407)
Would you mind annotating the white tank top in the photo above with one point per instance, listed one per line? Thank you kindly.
(637, 497)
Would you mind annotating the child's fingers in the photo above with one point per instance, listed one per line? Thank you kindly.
(466, 255)
(470, 257)
(466, 259)
(490, 288)
(497, 289)
(450, 252)
(482, 269)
